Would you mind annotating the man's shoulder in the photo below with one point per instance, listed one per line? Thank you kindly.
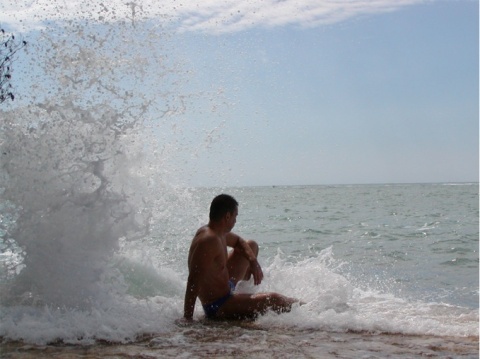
(204, 231)
(206, 241)
(205, 235)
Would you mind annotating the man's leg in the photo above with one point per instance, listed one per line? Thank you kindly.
(241, 306)
(250, 305)
(238, 266)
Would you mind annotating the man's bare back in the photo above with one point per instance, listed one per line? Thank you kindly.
(214, 273)
(208, 255)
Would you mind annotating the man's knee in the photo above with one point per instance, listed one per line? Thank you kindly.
(253, 245)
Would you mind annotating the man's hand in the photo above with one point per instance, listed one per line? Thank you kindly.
(256, 271)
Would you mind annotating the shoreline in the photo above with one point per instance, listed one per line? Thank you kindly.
(242, 341)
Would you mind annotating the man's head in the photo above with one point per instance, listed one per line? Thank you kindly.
(223, 205)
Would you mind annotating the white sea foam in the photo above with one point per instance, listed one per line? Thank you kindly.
(335, 304)
(332, 304)
(121, 320)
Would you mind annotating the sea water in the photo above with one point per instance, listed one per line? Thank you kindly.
(95, 233)
(382, 259)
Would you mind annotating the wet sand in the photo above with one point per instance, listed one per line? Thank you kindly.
(248, 341)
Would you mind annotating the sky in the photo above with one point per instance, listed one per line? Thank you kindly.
(314, 92)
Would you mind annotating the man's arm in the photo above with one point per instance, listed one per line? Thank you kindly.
(195, 266)
(238, 243)
(199, 261)
(235, 241)
(191, 294)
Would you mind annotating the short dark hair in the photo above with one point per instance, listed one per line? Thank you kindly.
(221, 205)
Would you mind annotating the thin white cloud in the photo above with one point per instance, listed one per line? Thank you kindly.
(211, 16)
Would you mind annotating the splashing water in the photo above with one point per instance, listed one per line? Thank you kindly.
(80, 162)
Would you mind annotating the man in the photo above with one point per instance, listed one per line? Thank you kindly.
(214, 273)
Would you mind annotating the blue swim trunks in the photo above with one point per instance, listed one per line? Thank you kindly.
(212, 308)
